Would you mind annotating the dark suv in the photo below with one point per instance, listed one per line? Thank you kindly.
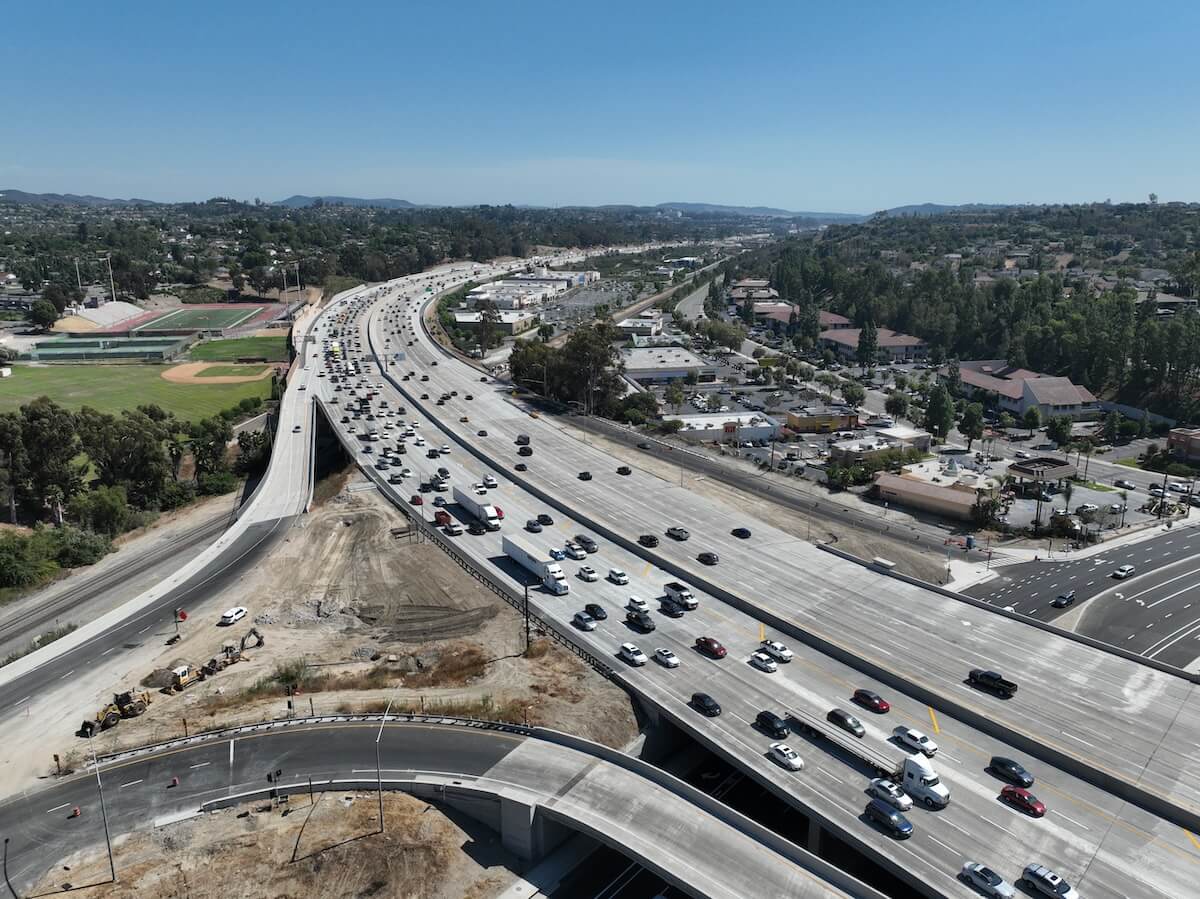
(771, 724)
(889, 819)
(705, 705)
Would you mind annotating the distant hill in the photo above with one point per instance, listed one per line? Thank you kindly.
(299, 201)
(761, 212)
(28, 199)
(942, 209)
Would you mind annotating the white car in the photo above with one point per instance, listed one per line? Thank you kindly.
(1123, 572)
(588, 573)
(237, 613)
(632, 654)
(776, 650)
(454, 529)
(584, 621)
(489, 481)
(420, 441)
(666, 658)
(915, 740)
(617, 576)
(479, 489)
(445, 449)
(575, 551)
(882, 788)
(1021, 454)
(764, 662)
(637, 604)
(787, 757)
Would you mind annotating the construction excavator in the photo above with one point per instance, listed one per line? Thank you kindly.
(129, 704)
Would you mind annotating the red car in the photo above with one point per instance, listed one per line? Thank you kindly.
(1022, 799)
(710, 647)
(416, 500)
(873, 701)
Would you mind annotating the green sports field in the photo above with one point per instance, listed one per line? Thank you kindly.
(273, 349)
(200, 318)
(112, 388)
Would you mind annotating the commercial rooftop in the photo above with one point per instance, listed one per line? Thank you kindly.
(660, 357)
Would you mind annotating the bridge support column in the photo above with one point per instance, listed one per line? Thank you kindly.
(525, 833)
(816, 836)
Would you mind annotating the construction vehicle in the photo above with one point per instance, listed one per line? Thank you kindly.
(257, 635)
(182, 676)
(129, 704)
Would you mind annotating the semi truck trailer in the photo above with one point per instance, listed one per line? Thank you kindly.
(538, 564)
(484, 513)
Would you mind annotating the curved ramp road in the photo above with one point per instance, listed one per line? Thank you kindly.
(1093, 709)
(530, 780)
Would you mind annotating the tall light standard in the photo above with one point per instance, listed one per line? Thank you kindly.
(112, 287)
(103, 809)
(378, 769)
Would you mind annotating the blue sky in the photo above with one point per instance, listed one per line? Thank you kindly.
(815, 106)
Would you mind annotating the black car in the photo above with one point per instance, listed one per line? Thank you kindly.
(596, 611)
(585, 475)
(741, 533)
(1063, 600)
(482, 433)
(771, 724)
(846, 721)
(889, 819)
(525, 451)
(644, 446)
(1011, 771)
(521, 466)
(670, 608)
(624, 469)
(648, 540)
(545, 519)
(586, 543)
(476, 528)
(708, 558)
(705, 705)
(533, 527)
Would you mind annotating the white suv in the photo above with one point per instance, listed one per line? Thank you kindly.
(915, 740)
(632, 654)
(1042, 880)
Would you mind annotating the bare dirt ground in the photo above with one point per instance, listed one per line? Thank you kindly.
(917, 562)
(357, 612)
(334, 853)
(189, 373)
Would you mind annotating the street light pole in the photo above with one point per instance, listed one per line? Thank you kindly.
(526, 585)
(378, 769)
(103, 809)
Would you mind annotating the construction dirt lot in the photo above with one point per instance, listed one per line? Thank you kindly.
(355, 611)
(924, 564)
(336, 852)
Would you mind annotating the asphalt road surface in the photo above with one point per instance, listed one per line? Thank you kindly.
(1155, 612)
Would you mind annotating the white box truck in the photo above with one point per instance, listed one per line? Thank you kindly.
(539, 564)
(484, 513)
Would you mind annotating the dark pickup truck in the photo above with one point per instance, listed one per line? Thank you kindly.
(991, 680)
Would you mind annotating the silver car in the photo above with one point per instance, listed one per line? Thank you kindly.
(986, 881)
(882, 788)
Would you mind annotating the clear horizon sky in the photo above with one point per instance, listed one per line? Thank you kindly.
(800, 105)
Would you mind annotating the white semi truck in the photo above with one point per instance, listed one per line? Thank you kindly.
(538, 564)
(484, 513)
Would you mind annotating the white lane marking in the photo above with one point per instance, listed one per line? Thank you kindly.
(1077, 739)
(831, 777)
(57, 808)
(201, 765)
(107, 651)
(944, 846)
(131, 783)
(19, 701)
(231, 753)
(949, 758)
(955, 826)
(143, 630)
(1072, 820)
(68, 674)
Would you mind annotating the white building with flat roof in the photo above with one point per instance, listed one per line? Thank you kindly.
(648, 323)
(727, 426)
(659, 364)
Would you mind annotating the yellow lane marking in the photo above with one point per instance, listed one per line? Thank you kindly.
(647, 569)
(933, 719)
(762, 632)
(1192, 837)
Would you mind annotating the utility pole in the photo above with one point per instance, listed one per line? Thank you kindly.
(103, 810)
(111, 284)
(526, 584)
(78, 279)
